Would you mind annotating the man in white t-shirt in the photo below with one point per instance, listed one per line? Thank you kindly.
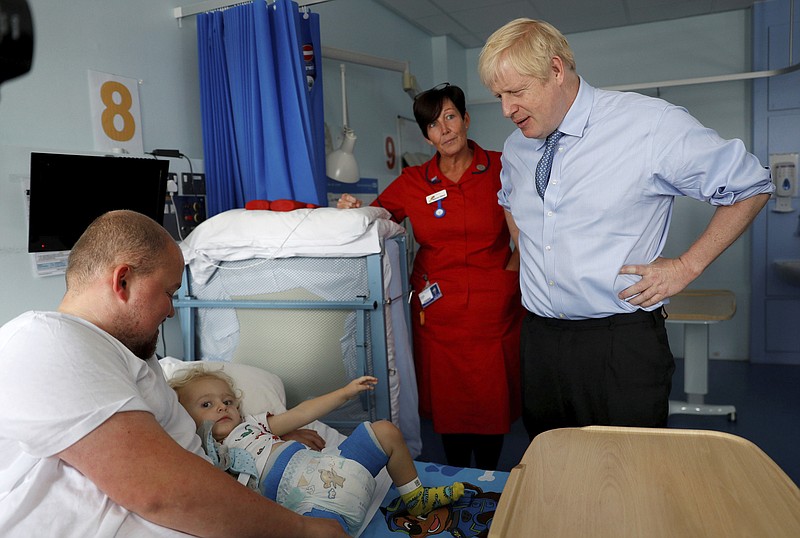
(93, 442)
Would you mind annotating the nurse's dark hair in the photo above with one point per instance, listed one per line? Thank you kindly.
(428, 104)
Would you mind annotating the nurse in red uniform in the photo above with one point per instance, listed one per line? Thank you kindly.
(466, 308)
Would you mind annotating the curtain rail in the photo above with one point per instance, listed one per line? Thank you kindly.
(211, 5)
(409, 81)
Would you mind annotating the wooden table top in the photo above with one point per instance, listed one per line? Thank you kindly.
(701, 305)
(635, 482)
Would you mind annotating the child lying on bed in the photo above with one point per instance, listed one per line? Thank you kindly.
(303, 480)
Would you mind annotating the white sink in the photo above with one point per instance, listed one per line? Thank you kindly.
(789, 270)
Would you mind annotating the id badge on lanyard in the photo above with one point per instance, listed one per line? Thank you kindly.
(430, 293)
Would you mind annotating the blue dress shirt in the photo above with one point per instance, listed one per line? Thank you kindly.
(616, 172)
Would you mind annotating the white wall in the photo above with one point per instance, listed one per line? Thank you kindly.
(48, 109)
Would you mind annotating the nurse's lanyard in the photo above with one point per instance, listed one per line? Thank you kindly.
(438, 196)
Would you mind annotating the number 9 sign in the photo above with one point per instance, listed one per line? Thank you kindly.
(115, 113)
(389, 152)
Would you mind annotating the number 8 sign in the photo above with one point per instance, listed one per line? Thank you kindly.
(115, 113)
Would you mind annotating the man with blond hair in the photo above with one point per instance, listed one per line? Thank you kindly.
(588, 184)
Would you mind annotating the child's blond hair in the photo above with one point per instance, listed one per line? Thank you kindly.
(182, 379)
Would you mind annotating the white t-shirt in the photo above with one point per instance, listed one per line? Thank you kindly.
(254, 436)
(60, 378)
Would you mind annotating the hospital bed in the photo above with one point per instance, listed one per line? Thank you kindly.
(303, 301)
(315, 296)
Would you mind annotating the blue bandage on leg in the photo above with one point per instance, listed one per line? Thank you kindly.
(363, 447)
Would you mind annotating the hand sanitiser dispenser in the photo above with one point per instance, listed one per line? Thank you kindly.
(783, 167)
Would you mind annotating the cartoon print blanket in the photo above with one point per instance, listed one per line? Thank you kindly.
(471, 516)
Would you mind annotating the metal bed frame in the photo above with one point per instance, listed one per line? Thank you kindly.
(370, 324)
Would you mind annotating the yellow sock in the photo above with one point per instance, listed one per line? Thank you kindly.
(421, 500)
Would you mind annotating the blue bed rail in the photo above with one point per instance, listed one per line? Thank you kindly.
(370, 323)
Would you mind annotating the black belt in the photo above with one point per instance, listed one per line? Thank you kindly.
(629, 318)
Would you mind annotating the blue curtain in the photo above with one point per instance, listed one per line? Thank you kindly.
(261, 105)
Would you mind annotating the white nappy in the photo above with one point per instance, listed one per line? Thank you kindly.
(327, 482)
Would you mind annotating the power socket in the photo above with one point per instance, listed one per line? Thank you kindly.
(194, 183)
(191, 211)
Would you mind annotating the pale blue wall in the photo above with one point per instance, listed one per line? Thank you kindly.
(48, 109)
(775, 315)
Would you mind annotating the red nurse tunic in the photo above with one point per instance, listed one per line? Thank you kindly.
(466, 344)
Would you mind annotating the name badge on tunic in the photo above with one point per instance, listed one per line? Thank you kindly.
(436, 196)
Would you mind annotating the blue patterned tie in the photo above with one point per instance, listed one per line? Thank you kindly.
(543, 168)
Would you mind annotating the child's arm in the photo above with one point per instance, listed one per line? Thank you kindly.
(311, 410)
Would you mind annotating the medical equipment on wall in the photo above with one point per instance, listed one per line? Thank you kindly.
(341, 164)
(783, 167)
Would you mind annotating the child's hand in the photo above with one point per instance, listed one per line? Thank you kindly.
(360, 384)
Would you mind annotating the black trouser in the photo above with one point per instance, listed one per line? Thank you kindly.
(614, 371)
(460, 447)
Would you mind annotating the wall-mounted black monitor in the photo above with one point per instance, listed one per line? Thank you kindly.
(68, 192)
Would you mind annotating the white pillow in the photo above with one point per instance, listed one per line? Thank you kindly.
(261, 391)
(243, 228)
(241, 234)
